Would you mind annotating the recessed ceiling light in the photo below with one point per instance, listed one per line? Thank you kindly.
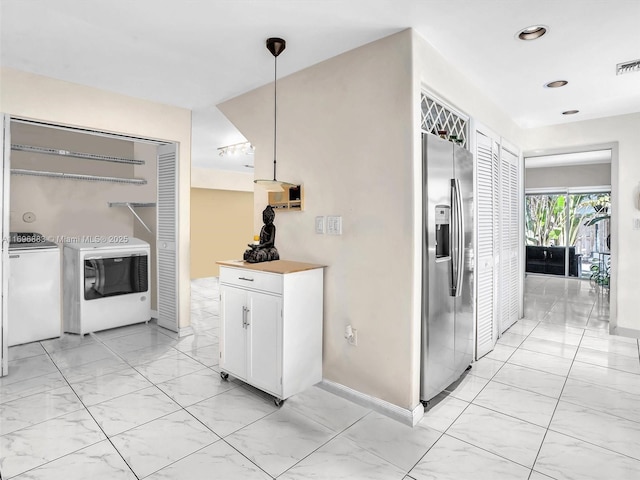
(556, 84)
(570, 112)
(532, 32)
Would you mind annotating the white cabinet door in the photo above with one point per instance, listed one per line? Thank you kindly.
(264, 342)
(233, 351)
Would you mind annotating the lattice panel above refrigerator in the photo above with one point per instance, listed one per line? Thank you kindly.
(440, 120)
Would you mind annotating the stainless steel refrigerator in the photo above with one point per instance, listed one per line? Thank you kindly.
(447, 264)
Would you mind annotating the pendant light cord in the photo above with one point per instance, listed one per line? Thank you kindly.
(275, 114)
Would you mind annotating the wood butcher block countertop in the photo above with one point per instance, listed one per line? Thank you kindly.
(275, 266)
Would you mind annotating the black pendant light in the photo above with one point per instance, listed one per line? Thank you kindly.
(276, 46)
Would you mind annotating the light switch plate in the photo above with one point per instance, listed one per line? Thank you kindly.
(320, 225)
(334, 225)
(636, 223)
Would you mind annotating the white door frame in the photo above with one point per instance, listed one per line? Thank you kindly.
(613, 146)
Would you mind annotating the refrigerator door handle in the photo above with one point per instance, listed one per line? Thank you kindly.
(459, 228)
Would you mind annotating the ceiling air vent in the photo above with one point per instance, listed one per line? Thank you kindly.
(628, 67)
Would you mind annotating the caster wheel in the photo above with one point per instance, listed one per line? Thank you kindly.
(224, 376)
(278, 402)
(425, 403)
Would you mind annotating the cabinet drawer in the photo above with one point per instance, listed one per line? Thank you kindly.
(266, 282)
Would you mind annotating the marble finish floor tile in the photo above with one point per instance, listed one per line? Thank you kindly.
(218, 461)
(566, 458)
(100, 389)
(112, 333)
(560, 335)
(452, 459)
(149, 354)
(612, 345)
(131, 410)
(138, 341)
(485, 368)
(343, 459)
(161, 442)
(280, 440)
(570, 309)
(503, 435)
(609, 360)
(597, 397)
(566, 320)
(389, 439)
(197, 386)
(602, 429)
(209, 355)
(467, 387)
(442, 411)
(76, 374)
(541, 361)
(326, 408)
(99, 461)
(232, 410)
(195, 341)
(25, 351)
(522, 404)
(500, 352)
(168, 368)
(67, 340)
(26, 368)
(38, 444)
(535, 381)
(608, 377)
(78, 356)
(511, 339)
(550, 347)
(37, 408)
(523, 327)
(31, 386)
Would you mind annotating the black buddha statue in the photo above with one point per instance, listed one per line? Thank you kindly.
(266, 250)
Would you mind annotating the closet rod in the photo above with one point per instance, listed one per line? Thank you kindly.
(67, 153)
(76, 176)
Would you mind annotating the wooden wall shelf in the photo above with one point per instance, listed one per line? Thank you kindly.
(291, 199)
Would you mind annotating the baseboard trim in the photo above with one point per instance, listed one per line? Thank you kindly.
(403, 415)
(626, 332)
(185, 331)
(154, 314)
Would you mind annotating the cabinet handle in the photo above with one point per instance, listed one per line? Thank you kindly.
(245, 279)
(245, 312)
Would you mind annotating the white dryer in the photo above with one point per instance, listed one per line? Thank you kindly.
(106, 285)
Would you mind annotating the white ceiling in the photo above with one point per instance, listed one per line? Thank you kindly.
(198, 53)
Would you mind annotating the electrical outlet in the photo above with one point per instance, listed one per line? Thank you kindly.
(636, 223)
(353, 340)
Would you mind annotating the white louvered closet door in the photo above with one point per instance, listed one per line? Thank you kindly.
(167, 236)
(509, 224)
(486, 195)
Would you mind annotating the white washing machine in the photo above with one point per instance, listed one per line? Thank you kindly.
(106, 285)
(34, 289)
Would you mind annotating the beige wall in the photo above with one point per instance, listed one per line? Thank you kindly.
(35, 97)
(569, 176)
(344, 132)
(625, 181)
(221, 180)
(221, 227)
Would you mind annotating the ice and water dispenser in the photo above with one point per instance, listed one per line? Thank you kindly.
(442, 217)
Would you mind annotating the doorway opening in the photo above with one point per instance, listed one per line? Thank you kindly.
(570, 207)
